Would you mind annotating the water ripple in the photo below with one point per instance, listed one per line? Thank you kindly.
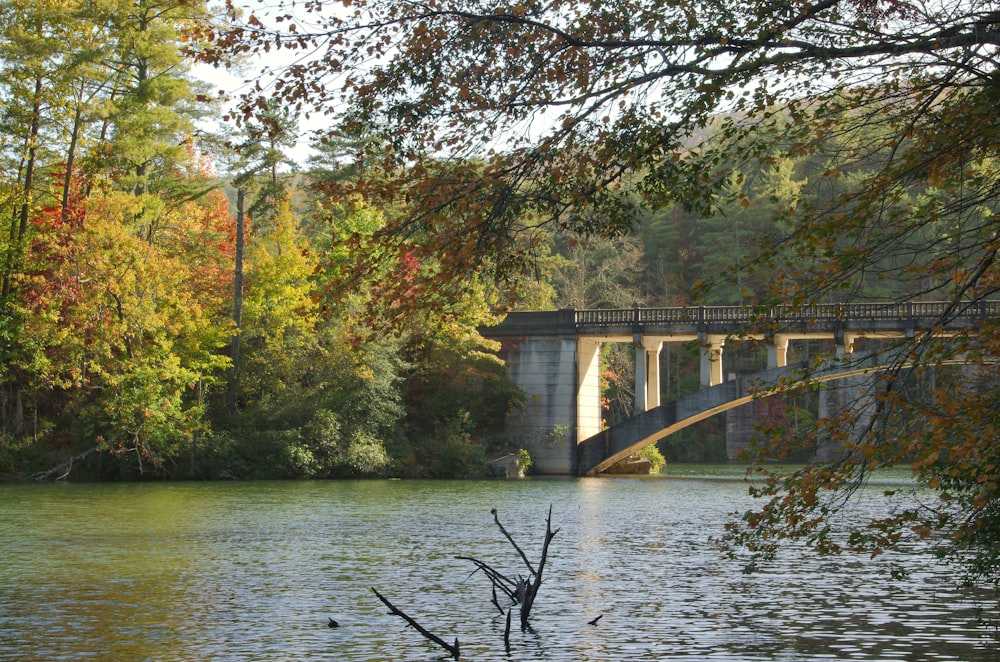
(251, 572)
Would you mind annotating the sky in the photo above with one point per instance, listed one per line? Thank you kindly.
(233, 82)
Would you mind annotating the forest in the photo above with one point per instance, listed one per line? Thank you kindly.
(174, 295)
(183, 300)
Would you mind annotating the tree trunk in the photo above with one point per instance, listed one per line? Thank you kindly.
(74, 140)
(18, 421)
(234, 380)
(19, 226)
(60, 471)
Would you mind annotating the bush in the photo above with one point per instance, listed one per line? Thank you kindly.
(20, 455)
(460, 457)
(655, 457)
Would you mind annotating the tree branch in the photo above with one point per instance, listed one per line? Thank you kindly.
(61, 470)
(453, 649)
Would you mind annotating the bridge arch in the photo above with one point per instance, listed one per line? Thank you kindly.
(602, 450)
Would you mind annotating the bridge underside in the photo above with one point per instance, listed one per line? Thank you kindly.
(604, 449)
(561, 424)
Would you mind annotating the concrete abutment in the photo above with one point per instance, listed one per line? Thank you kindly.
(546, 370)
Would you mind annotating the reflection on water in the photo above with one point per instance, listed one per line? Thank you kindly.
(251, 571)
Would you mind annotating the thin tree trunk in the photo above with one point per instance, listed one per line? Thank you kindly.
(62, 470)
(234, 381)
(195, 437)
(74, 140)
(18, 412)
(19, 228)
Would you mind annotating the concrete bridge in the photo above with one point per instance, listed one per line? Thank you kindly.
(553, 356)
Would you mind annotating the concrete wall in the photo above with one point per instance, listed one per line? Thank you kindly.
(545, 367)
(739, 430)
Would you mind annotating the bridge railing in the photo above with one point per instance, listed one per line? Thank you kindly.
(917, 311)
(667, 315)
(614, 317)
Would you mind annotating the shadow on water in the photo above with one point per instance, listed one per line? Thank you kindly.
(252, 571)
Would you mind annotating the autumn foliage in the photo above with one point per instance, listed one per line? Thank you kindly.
(118, 259)
(472, 157)
(496, 127)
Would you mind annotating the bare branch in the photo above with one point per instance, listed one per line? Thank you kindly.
(453, 649)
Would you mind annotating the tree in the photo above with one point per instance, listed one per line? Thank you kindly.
(584, 114)
(97, 142)
(151, 101)
(119, 331)
(603, 273)
(35, 73)
(621, 97)
(598, 273)
(98, 90)
(279, 313)
(256, 161)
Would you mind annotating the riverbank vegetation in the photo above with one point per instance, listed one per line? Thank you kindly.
(185, 301)
(182, 300)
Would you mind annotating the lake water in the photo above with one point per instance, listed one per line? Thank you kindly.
(252, 571)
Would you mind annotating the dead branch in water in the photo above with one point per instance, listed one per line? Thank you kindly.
(523, 590)
(506, 585)
(531, 588)
(506, 633)
(451, 648)
(61, 470)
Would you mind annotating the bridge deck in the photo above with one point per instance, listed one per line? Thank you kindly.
(747, 321)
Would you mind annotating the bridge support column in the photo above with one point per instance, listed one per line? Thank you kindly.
(777, 352)
(588, 388)
(711, 359)
(844, 343)
(850, 397)
(647, 374)
(558, 374)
